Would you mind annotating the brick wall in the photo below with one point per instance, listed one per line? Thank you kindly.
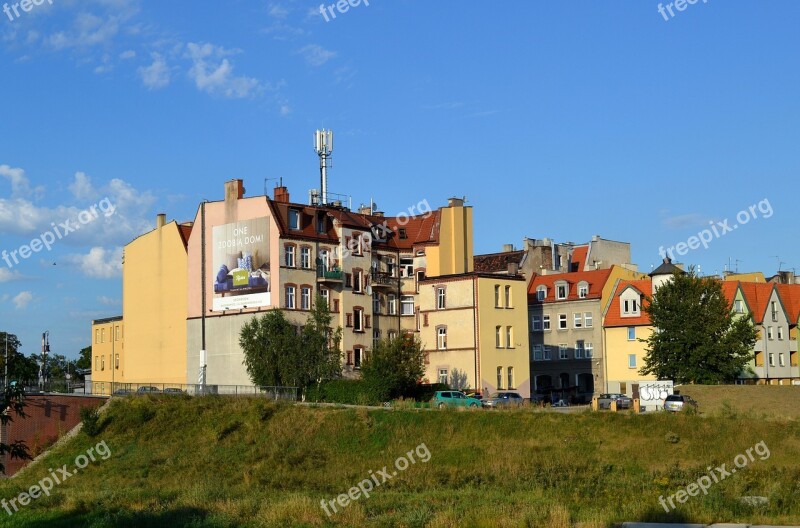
(49, 417)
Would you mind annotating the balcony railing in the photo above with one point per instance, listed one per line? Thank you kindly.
(333, 274)
(382, 279)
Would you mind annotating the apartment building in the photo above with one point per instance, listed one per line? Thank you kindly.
(108, 347)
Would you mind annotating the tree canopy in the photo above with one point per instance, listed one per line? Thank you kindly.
(394, 367)
(696, 338)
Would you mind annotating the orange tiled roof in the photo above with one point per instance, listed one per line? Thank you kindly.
(757, 295)
(614, 317)
(729, 289)
(790, 295)
(595, 278)
(578, 260)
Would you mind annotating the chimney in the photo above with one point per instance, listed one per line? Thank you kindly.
(365, 210)
(234, 190)
(455, 202)
(161, 220)
(281, 194)
(379, 214)
(507, 248)
(513, 269)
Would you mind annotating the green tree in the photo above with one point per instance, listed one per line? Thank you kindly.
(697, 339)
(276, 354)
(84, 359)
(394, 366)
(12, 399)
(19, 367)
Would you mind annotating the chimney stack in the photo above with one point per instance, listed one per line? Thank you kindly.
(455, 202)
(234, 190)
(281, 194)
(507, 248)
(513, 269)
(161, 220)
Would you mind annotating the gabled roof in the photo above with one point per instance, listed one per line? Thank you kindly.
(497, 262)
(729, 289)
(596, 279)
(790, 295)
(578, 259)
(757, 295)
(666, 268)
(613, 317)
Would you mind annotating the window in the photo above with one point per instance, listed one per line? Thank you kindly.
(780, 333)
(498, 336)
(406, 267)
(97, 336)
(770, 333)
(102, 335)
(541, 293)
(305, 298)
(772, 360)
(289, 256)
(325, 293)
(325, 259)
(443, 376)
(781, 359)
(358, 280)
(294, 219)
(407, 305)
(561, 291)
(116, 362)
(321, 223)
(774, 311)
(577, 320)
(509, 337)
(630, 307)
(97, 362)
(588, 320)
(547, 355)
(631, 333)
(583, 290)
(402, 233)
(589, 350)
(508, 296)
(376, 303)
(562, 321)
(579, 346)
(562, 351)
(631, 360)
(358, 356)
(499, 378)
(103, 362)
(441, 338)
(537, 353)
(305, 257)
(392, 334)
(290, 301)
(356, 244)
(546, 323)
(358, 319)
(440, 298)
(392, 304)
(510, 377)
(117, 335)
(738, 306)
(348, 280)
(497, 296)
(536, 323)
(376, 337)
(420, 277)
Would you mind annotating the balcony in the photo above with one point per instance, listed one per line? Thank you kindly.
(380, 279)
(331, 275)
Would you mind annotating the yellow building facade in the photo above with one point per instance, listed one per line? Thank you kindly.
(108, 349)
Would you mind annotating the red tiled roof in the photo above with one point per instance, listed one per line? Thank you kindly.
(757, 295)
(595, 278)
(578, 260)
(497, 262)
(614, 317)
(729, 289)
(790, 295)
(185, 231)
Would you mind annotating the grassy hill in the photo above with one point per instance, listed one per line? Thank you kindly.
(224, 462)
(776, 401)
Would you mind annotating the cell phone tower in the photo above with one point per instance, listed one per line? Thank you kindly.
(323, 146)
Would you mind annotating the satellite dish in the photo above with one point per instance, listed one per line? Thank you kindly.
(368, 289)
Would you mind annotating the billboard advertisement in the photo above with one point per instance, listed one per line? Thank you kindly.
(241, 265)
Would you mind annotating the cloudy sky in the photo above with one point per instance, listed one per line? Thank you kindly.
(554, 119)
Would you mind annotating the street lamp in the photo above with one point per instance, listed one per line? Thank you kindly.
(45, 350)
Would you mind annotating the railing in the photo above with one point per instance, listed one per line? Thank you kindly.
(333, 274)
(381, 278)
(176, 389)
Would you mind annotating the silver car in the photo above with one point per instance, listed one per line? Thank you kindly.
(678, 403)
(503, 399)
(623, 402)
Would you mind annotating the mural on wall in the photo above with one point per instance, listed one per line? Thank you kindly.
(241, 265)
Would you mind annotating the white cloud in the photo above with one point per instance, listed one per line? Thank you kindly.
(6, 275)
(213, 73)
(20, 186)
(156, 75)
(88, 30)
(108, 301)
(277, 11)
(129, 54)
(22, 300)
(82, 188)
(316, 55)
(99, 263)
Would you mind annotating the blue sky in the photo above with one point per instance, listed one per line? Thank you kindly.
(554, 119)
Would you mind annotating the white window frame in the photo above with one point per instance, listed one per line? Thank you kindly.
(441, 338)
(588, 350)
(510, 380)
(407, 267)
(443, 375)
(577, 320)
(498, 336)
(405, 302)
(780, 333)
(392, 304)
(541, 293)
(305, 298)
(781, 359)
(631, 328)
(562, 294)
(291, 297)
(562, 321)
(325, 293)
(770, 333)
(588, 320)
(579, 348)
(583, 290)
(290, 256)
(509, 337)
(441, 298)
(538, 352)
(545, 323)
(548, 353)
(536, 323)
(632, 361)
(497, 296)
(358, 357)
(358, 320)
(499, 378)
(562, 351)
(508, 298)
(358, 281)
(376, 303)
(294, 219)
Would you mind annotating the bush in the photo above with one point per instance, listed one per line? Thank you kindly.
(91, 421)
(351, 392)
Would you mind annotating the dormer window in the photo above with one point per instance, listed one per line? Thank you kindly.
(402, 233)
(583, 290)
(630, 304)
(294, 219)
(541, 293)
(562, 289)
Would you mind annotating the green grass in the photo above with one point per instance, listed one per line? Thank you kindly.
(225, 462)
(750, 401)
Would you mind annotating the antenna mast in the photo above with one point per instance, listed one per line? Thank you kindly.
(323, 146)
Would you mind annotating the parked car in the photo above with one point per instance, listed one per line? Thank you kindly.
(476, 395)
(148, 390)
(623, 402)
(678, 403)
(453, 399)
(503, 399)
(561, 403)
(173, 390)
(122, 392)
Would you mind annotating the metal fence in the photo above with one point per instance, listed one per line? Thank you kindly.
(125, 389)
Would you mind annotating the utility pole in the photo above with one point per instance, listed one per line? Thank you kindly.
(5, 365)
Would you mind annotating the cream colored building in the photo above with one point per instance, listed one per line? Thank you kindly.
(108, 349)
